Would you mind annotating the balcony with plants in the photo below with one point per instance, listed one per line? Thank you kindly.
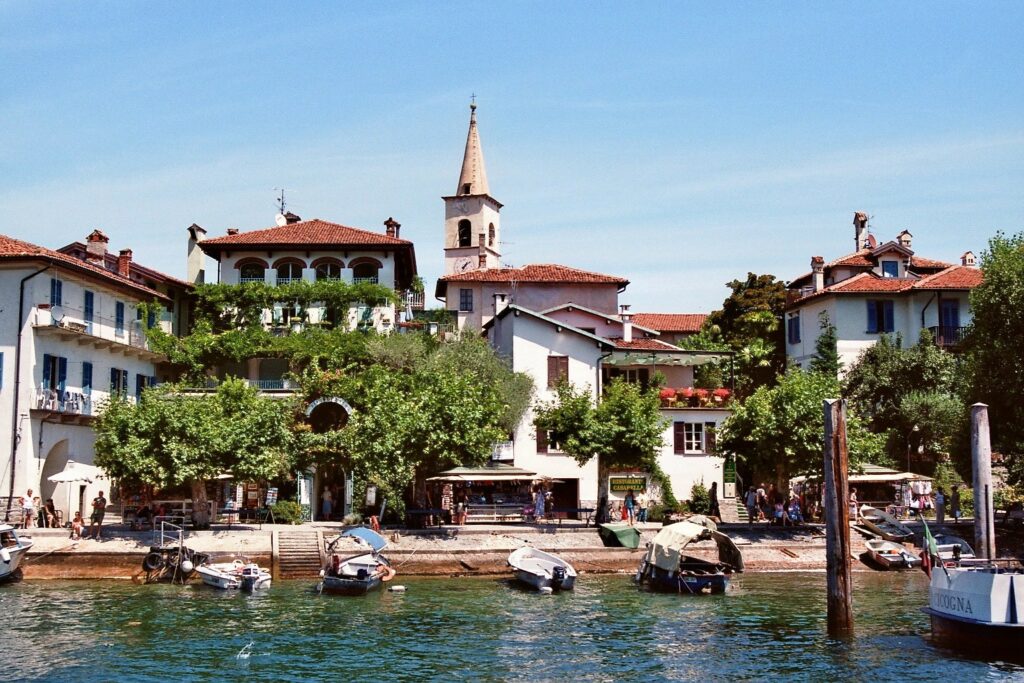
(695, 397)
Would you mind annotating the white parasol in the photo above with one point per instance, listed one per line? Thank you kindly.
(76, 471)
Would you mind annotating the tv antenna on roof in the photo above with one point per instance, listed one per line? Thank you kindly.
(280, 199)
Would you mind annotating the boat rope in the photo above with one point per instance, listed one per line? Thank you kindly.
(30, 560)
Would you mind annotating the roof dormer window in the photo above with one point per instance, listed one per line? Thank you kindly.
(890, 268)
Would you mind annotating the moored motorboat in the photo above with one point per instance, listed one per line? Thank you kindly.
(12, 552)
(357, 574)
(885, 525)
(665, 568)
(953, 548)
(235, 575)
(890, 555)
(542, 570)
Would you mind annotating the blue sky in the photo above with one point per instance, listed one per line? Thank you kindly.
(680, 145)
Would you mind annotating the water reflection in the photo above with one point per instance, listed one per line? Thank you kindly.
(484, 629)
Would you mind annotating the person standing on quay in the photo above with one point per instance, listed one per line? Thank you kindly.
(99, 509)
(631, 507)
(954, 504)
(642, 503)
(751, 502)
(326, 504)
(940, 507)
(28, 510)
(713, 510)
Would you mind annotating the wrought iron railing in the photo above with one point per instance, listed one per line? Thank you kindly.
(948, 337)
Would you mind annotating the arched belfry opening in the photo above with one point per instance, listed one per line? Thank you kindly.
(465, 233)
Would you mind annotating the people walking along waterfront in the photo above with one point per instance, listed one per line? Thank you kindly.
(713, 510)
(954, 503)
(99, 509)
(940, 506)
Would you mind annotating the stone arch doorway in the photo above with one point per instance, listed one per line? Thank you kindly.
(330, 413)
(55, 462)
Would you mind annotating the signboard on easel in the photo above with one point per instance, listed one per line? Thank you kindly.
(271, 496)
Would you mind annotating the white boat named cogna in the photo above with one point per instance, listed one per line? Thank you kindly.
(12, 552)
(542, 570)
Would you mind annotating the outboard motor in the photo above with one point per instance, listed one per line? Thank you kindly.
(557, 577)
(361, 574)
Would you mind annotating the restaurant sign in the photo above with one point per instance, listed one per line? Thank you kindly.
(627, 484)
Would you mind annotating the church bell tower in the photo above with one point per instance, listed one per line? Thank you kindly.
(472, 221)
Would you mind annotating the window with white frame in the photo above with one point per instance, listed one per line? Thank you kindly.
(688, 437)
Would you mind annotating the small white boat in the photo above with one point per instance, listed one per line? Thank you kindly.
(358, 574)
(239, 575)
(542, 570)
(891, 555)
(953, 548)
(12, 552)
(885, 525)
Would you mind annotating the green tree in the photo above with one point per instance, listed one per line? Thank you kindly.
(779, 431)
(826, 348)
(169, 439)
(623, 431)
(748, 323)
(997, 373)
(881, 382)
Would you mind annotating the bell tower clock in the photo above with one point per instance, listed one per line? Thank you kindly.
(472, 220)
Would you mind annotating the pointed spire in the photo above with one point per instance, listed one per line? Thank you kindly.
(473, 179)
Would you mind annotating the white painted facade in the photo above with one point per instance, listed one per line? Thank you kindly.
(912, 313)
(68, 360)
(529, 341)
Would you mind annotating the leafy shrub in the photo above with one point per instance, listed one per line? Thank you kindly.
(700, 501)
(287, 512)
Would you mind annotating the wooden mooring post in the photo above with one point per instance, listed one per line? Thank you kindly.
(837, 521)
(981, 466)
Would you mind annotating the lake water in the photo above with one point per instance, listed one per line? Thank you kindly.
(767, 626)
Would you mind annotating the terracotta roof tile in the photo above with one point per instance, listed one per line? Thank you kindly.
(869, 282)
(13, 249)
(860, 258)
(539, 272)
(304, 233)
(920, 262)
(954, 277)
(671, 322)
(644, 345)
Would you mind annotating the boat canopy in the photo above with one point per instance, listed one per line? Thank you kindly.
(667, 547)
(376, 541)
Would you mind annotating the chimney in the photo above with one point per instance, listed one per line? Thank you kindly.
(232, 231)
(392, 227)
(627, 323)
(905, 239)
(196, 259)
(96, 248)
(291, 218)
(968, 259)
(500, 302)
(818, 271)
(482, 261)
(860, 227)
(124, 262)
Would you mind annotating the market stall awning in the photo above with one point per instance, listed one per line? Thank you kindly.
(76, 471)
(873, 474)
(496, 472)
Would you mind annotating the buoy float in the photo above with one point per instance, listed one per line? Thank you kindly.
(396, 589)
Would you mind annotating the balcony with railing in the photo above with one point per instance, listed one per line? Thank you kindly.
(126, 336)
(373, 280)
(950, 338)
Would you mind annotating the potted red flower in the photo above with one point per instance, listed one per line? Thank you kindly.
(667, 396)
(701, 396)
(721, 395)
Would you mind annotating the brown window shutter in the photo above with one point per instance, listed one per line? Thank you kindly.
(558, 370)
(679, 437)
(542, 441)
(710, 440)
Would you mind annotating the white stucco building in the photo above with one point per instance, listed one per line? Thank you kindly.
(71, 333)
(310, 250)
(588, 348)
(879, 289)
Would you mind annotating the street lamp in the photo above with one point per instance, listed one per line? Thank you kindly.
(913, 431)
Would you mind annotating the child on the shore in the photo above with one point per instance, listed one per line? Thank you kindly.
(76, 526)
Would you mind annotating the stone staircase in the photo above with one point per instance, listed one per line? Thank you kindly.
(739, 512)
(298, 554)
